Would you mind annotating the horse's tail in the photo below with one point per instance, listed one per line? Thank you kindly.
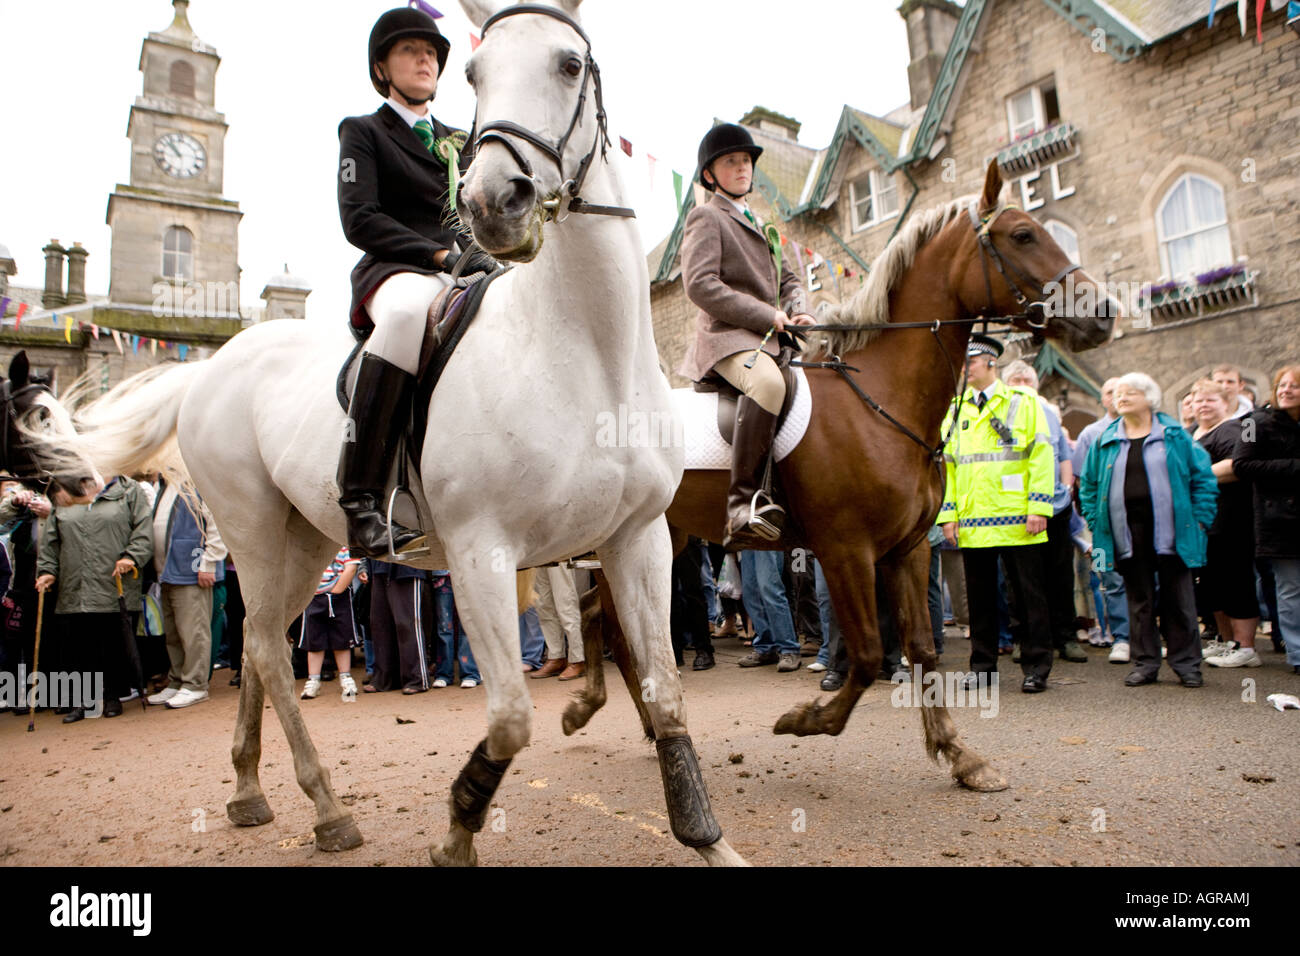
(127, 431)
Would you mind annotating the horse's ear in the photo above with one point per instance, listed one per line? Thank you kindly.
(571, 7)
(992, 188)
(479, 10)
(19, 369)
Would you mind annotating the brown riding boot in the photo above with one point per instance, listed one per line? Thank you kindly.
(753, 519)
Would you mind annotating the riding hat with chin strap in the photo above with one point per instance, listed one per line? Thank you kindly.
(500, 131)
(397, 25)
(718, 142)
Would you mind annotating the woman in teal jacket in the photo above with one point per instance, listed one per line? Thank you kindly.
(1149, 505)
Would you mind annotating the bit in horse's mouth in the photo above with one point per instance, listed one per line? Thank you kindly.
(531, 244)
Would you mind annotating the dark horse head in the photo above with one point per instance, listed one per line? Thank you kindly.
(23, 402)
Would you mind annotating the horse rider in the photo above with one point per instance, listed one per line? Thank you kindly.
(731, 273)
(397, 170)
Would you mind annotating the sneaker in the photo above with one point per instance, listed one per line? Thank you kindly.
(789, 662)
(349, 688)
(757, 659)
(1237, 657)
(1216, 648)
(311, 689)
(1119, 653)
(131, 696)
(184, 697)
(440, 683)
(1091, 636)
(817, 667)
(164, 695)
(1073, 651)
(468, 682)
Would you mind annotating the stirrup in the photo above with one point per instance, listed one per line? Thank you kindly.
(419, 546)
(758, 522)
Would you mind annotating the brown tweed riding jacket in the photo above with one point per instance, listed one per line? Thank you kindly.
(730, 274)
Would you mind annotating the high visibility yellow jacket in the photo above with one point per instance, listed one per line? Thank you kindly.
(993, 484)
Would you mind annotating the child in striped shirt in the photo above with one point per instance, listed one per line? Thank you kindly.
(328, 625)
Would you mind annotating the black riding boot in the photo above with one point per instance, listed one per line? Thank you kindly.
(380, 402)
(753, 519)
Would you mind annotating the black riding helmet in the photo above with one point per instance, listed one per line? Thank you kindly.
(398, 25)
(722, 139)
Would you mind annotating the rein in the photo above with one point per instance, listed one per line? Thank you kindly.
(499, 131)
(981, 225)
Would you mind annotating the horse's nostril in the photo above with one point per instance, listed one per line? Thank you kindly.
(518, 196)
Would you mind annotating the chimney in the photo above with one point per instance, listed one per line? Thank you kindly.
(53, 295)
(7, 268)
(77, 274)
(772, 123)
(930, 28)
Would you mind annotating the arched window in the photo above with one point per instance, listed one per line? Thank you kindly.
(1065, 237)
(181, 80)
(1192, 225)
(178, 253)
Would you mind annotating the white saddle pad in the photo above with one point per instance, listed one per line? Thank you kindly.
(705, 449)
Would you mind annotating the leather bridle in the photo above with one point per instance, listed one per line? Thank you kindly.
(8, 402)
(500, 131)
(982, 226)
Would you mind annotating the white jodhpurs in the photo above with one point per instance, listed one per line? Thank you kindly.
(399, 308)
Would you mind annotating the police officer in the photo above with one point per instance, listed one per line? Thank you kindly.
(395, 170)
(730, 273)
(997, 499)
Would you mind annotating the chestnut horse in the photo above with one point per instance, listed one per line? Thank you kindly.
(860, 491)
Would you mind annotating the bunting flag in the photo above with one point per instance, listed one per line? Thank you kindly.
(625, 145)
(1213, 3)
(94, 330)
(117, 340)
(677, 188)
(4, 306)
(650, 161)
(421, 5)
(135, 344)
(18, 316)
(67, 329)
(184, 350)
(1241, 15)
(153, 346)
(1259, 19)
(474, 41)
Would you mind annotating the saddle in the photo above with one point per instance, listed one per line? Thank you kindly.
(450, 315)
(728, 394)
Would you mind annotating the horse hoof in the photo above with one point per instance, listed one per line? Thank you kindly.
(249, 812)
(984, 779)
(802, 721)
(336, 835)
(439, 856)
(575, 718)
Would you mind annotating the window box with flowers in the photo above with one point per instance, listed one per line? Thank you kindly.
(1036, 149)
(1202, 294)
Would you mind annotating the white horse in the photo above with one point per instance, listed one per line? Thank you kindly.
(512, 473)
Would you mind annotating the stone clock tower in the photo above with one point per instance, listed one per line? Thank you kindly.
(173, 232)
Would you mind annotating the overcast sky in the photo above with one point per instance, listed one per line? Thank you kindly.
(291, 70)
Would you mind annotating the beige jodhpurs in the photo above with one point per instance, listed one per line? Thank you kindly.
(763, 383)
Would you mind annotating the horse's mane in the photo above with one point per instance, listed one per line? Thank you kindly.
(870, 304)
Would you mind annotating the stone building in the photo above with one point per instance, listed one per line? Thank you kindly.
(174, 274)
(1159, 152)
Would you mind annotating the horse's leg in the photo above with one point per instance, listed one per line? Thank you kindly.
(851, 578)
(611, 631)
(248, 807)
(486, 601)
(638, 565)
(591, 697)
(906, 582)
(287, 569)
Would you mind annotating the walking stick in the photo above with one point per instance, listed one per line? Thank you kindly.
(36, 660)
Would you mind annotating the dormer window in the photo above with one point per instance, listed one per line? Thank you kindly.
(1032, 109)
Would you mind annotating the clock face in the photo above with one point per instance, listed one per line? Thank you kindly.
(180, 155)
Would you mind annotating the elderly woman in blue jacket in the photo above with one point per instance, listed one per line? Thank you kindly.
(1149, 503)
